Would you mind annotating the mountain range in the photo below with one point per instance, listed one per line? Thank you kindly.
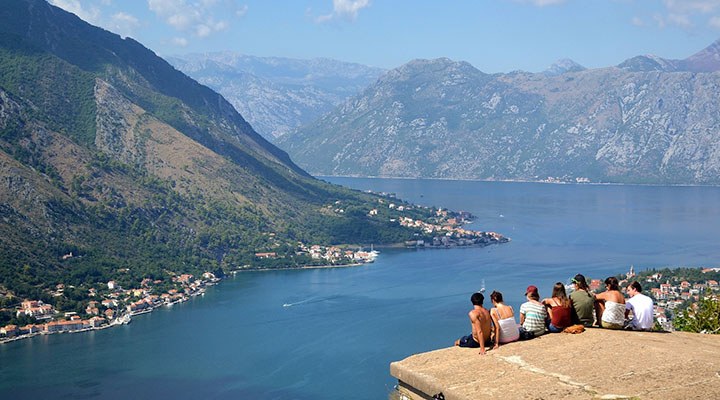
(115, 165)
(646, 120)
(277, 95)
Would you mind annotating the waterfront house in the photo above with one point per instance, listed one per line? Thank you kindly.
(63, 326)
(95, 322)
(9, 330)
(30, 328)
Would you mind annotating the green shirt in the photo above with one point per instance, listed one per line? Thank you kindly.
(583, 307)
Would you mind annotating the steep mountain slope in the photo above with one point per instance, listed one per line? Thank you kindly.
(646, 121)
(110, 155)
(278, 95)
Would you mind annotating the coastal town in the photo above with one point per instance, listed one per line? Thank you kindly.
(672, 290)
(109, 304)
(114, 305)
(451, 233)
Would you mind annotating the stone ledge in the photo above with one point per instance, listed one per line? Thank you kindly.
(596, 364)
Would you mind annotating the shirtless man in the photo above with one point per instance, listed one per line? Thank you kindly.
(480, 323)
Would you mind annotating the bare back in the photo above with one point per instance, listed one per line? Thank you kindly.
(611, 295)
(481, 325)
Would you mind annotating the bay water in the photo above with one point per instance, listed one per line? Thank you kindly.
(331, 333)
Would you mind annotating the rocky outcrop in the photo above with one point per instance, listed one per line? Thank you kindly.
(596, 364)
(116, 119)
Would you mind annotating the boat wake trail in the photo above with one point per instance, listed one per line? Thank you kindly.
(310, 300)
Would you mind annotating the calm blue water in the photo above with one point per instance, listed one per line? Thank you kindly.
(345, 326)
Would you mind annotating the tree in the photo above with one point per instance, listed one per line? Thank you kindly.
(704, 317)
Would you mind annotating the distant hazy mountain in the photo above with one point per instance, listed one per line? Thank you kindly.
(563, 66)
(646, 120)
(277, 95)
(648, 63)
(706, 60)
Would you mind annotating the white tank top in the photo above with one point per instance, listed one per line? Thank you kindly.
(508, 329)
(614, 313)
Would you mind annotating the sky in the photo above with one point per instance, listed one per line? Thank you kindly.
(492, 35)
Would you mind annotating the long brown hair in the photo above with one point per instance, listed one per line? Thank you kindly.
(612, 283)
(559, 292)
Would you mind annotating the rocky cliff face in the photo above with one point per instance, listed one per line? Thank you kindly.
(278, 95)
(109, 153)
(646, 121)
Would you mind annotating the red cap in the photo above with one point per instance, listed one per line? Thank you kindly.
(531, 289)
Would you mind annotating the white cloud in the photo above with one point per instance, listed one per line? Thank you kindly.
(197, 17)
(637, 21)
(123, 24)
(688, 14)
(179, 41)
(541, 3)
(714, 22)
(241, 11)
(88, 14)
(345, 9)
(691, 6)
(681, 20)
(660, 21)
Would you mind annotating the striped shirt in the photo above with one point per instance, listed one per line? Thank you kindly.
(535, 316)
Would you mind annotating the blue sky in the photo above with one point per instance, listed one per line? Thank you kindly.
(493, 35)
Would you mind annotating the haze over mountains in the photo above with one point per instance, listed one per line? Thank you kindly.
(110, 155)
(278, 95)
(647, 120)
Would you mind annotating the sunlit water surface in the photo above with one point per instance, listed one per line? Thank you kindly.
(340, 328)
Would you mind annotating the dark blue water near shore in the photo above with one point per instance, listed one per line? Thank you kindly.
(341, 328)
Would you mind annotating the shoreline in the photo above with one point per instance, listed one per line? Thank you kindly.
(43, 333)
(126, 318)
(407, 178)
(255, 269)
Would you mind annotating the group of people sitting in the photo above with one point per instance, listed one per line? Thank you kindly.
(609, 309)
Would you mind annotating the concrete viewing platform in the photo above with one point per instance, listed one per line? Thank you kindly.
(595, 364)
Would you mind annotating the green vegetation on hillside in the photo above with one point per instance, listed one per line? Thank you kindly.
(152, 176)
(57, 93)
(703, 317)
